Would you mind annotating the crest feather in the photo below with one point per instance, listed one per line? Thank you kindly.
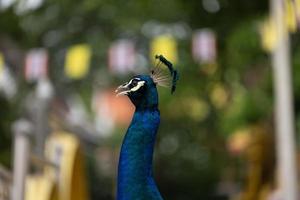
(163, 77)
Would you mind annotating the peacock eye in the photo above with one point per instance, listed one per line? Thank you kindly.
(134, 82)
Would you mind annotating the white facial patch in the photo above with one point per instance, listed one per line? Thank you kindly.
(138, 86)
(125, 88)
(126, 85)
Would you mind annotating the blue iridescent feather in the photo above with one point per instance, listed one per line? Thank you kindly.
(135, 177)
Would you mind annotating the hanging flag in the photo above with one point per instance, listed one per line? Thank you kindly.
(36, 64)
(268, 31)
(290, 16)
(204, 46)
(297, 10)
(1, 63)
(165, 45)
(64, 150)
(268, 35)
(78, 61)
(122, 57)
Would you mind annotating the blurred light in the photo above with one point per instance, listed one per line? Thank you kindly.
(122, 57)
(152, 28)
(141, 63)
(211, 6)
(219, 95)
(78, 61)
(204, 46)
(268, 31)
(196, 108)
(4, 4)
(290, 16)
(268, 34)
(77, 114)
(297, 7)
(7, 82)
(44, 89)
(147, 28)
(180, 30)
(36, 64)
(169, 144)
(1, 63)
(239, 141)
(28, 5)
(111, 111)
(165, 45)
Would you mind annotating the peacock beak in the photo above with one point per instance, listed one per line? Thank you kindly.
(122, 90)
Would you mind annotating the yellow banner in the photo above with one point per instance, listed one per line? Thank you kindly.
(165, 45)
(297, 8)
(290, 16)
(64, 150)
(268, 35)
(1, 63)
(78, 61)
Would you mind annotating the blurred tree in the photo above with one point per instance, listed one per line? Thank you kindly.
(191, 151)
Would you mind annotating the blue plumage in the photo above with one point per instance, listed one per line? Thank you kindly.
(135, 176)
(135, 180)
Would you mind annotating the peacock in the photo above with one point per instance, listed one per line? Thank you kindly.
(135, 176)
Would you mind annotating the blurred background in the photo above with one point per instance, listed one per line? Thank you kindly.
(61, 126)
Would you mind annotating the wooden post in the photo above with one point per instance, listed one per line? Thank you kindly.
(44, 93)
(284, 111)
(22, 130)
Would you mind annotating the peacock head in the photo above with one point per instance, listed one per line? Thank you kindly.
(142, 90)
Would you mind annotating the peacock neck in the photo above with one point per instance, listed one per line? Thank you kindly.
(135, 180)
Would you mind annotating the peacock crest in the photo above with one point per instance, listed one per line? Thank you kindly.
(162, 77)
